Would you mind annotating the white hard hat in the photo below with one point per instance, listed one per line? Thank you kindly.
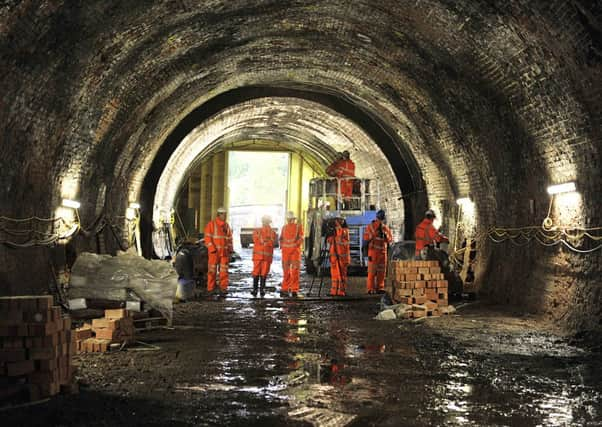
(221, 210)
(266, 218)
(291, 215)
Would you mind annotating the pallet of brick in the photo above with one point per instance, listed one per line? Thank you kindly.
(81, 334)
(117, 326)
(36, 346)
(420, 284)
(95, 345)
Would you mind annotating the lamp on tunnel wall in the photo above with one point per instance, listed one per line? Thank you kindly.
(568, 197)
(466, 208)
(132, 214)
(465, 219)
(69, 212)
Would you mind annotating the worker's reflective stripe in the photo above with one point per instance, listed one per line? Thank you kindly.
(378, 244)
(291, 264)
(290, 242)
(266, 253)
(426, 237)
(263, 243)
(213, 237)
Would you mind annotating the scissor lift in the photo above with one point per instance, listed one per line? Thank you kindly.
(327, 202)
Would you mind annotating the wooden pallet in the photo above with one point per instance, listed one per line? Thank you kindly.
(150, 323)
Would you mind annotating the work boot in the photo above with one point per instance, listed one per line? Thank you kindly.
(262, 285)
(284, 294)
(255, 285)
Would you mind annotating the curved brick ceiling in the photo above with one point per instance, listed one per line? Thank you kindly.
(495, 98)
(301, 126)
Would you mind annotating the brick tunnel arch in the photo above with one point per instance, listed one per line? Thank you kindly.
(349, 128)
(493, 99)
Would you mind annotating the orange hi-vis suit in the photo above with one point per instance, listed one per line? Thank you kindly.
(218, 239)
(291, 238)
(263, 250)
(379, 236)
(343, 168)
(427, 234)
(339, 260)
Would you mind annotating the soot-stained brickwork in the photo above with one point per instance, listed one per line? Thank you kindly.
(492, 99)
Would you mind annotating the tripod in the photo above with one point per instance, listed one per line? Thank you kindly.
(322, 263)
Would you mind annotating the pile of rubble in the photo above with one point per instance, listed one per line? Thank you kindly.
(417, 289)
(36, 346)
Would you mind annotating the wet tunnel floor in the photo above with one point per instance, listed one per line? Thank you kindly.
(245, 362)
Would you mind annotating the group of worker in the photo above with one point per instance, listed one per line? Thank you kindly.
(218, 240)
(377, 237)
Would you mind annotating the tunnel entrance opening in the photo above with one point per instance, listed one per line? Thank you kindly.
(258, 184)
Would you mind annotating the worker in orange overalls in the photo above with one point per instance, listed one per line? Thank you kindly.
(343, 167)
(426, 236)
(218, 240)
(339, 257)
(291, 239)
(378, 235)
(263, 251)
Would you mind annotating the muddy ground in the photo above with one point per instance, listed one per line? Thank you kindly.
(262, 362)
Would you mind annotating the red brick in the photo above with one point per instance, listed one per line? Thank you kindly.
(103, 323)
(12, 355)
(116, 313)
(46, 365)
(43, 377)
(14, 369)
(11, 317)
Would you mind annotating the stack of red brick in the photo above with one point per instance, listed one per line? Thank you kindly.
(36, 345)
(116, 327)
(420, 284)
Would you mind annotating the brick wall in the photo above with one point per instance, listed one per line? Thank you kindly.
(493, 99)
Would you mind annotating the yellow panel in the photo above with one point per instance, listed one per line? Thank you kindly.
(300, 173)
(206, 186)
(219, 182)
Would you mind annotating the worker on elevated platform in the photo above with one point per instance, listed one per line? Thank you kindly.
(344, 169)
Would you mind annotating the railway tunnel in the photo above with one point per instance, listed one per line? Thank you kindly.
(110, 103)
